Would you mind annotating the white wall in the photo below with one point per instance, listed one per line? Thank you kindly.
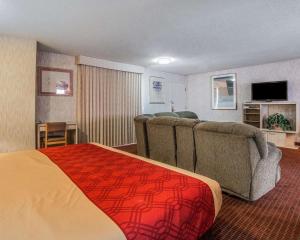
(175, 91)
(199, 87)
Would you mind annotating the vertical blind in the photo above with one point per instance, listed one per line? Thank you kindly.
(107, 102)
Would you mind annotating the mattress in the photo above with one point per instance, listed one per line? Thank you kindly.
(40, 201)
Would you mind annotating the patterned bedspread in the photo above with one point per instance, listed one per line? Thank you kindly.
(145, 200)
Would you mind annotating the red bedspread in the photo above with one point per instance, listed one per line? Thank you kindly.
(145, 200)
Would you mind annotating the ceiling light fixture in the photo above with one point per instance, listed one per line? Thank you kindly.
(163, 60)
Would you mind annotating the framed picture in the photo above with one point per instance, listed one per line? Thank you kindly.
(223, 92)
(157, 90)
(55, 82)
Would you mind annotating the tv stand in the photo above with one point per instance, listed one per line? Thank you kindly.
(256, 113)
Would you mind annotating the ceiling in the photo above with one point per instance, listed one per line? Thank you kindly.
(202, 35)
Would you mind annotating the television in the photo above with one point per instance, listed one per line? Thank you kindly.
(270, 91)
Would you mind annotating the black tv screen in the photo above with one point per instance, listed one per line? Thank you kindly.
(270, 91)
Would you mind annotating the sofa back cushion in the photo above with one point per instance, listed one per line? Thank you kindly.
(186, 156)
(141, 134)
(161, 137)
(187, 114)
(239, 129)
(166, 114)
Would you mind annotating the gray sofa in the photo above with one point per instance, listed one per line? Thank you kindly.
(238, 157)
(141, 131)
(234, 154)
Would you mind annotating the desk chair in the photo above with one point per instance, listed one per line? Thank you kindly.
(55, 134)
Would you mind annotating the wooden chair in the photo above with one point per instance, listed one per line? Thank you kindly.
(55, 134)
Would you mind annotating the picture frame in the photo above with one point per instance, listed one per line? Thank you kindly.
(55, 81)
(156, 90)
(224, 92)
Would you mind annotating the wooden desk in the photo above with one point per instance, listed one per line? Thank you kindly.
(41, 127)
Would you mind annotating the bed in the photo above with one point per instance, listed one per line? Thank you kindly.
(91, 191)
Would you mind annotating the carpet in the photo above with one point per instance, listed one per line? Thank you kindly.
(275, 216)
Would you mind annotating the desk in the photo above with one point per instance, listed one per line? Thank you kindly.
(41, 128)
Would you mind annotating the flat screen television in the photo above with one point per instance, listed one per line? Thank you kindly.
(270, 91)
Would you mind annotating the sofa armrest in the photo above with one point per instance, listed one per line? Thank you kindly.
(272, 144)
(274, 153)
(267, 173)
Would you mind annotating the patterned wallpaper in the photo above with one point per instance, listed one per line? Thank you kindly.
(57, 108)
(17, 94)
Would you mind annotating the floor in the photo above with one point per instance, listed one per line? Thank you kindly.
(275, 216)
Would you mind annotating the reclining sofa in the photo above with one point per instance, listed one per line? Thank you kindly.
(234, 154)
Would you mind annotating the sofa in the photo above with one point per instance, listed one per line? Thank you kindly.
(238, 157)
(141, 131)
(234, 154)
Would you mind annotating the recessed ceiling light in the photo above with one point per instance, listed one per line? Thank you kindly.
(164, 60)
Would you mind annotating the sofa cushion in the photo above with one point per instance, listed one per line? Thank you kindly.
(166, 114)
(141, 134)
(186, 156)
(185, 122)
(143, 117)
(187, 114)
(239, 129)
(169, 121)
(161, 137)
